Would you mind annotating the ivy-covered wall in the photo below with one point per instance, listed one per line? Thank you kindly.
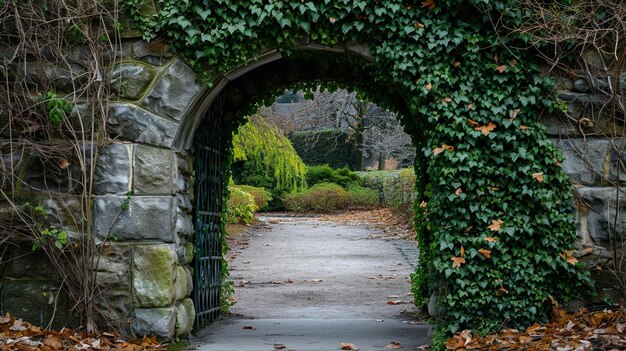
(495, 219)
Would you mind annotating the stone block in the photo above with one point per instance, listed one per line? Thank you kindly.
(28, 264)
(130, 80)
(185, 316)
(618, 158)
(35, 301)
(189, 278)
(584, 160)
(154, 171)
(158, 321)
(184, 224)
(132, 123)
(181, 284)
(600, 211)
(146, 218)
(115, 307)
(113, 266)
(173, 92)
(113, 169)
(154, 275)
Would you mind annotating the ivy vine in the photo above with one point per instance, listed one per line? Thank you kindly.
(494, 218)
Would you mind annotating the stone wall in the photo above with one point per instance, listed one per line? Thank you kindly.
(591, 159)
(142, 205)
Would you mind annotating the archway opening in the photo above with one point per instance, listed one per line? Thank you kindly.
(227, 111)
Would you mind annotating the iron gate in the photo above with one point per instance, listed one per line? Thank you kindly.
(209, 184)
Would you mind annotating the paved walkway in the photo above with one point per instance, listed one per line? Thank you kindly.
(304, 284)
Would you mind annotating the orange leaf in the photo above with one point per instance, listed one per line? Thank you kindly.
(394, 345)
(423, 204)
(348, 346)
(444, 147)
(462, 251)
(458, 192)
(501, 68)
(419, 25)
(455, 343)
(457, 261)
(332, 20)
(496, 58)
(456, 63)
(447, 99)
(495, 225)
(485, 252)
(538, 176)
(523, 127)
(430, 4)
(472, 122)
(428, 86)
(490, 239)
(486, 129)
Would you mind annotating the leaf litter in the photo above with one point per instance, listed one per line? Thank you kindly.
(18, 335)
(579, 331)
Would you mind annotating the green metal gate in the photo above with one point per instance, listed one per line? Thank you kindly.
(209, 177)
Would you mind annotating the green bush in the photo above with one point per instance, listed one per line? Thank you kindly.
(325, 174)
(261, 196)
(361, 196)
(395, 189)
(241, 206)
(322, 197)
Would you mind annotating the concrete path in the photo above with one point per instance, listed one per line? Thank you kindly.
(304, 284)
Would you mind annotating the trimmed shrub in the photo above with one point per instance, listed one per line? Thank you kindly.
(241, 206)
(395, 189)
(322, 197)
(261, 196)
(363, 197)
(325, 174)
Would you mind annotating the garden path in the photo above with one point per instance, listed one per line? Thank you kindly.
(304, 283)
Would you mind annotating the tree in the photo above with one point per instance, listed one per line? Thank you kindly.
(376, 133)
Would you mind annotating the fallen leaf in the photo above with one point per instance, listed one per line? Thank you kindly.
(430, 4)
(496, 224)
(428, 86)
(396, 302)
(523, 127)
(501, 68)
(423, 204)
(486, 129)
(538, 176)
(332, 20)
(456, 63)
(394, 345)
(419, 25)
(485, 252)
(348, 346)
(454, 343)
(496, 58)
(17, 326)
(514, 113)
(491, 239)
(63, 163)
(447, 99)
(54, 342)
(462, 251)
(458, 192)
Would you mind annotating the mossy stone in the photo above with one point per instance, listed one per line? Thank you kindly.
(154, 275)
